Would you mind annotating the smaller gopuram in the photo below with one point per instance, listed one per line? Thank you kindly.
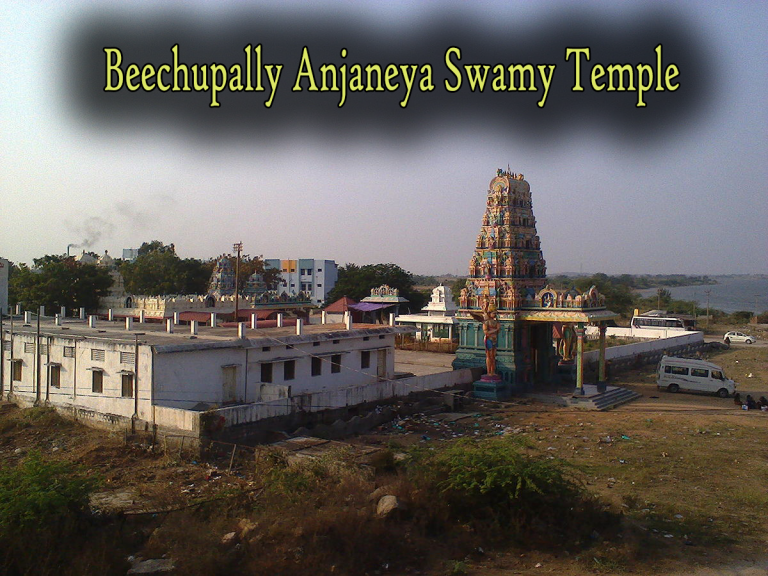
(508, 317)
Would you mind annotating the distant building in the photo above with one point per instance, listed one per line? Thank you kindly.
(317, 277)
(130, 254)
(5, 267)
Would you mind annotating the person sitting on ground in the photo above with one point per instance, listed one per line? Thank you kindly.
(762, 403)
(750, 402)
(737, 399)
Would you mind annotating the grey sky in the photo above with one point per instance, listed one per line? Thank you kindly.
(693, 201)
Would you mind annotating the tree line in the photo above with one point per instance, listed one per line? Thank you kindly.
(60, 280)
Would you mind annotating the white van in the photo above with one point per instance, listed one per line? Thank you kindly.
(676, 374)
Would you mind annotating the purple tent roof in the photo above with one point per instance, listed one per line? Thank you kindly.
(370, 306)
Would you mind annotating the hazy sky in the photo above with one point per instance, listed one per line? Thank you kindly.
(689, 198)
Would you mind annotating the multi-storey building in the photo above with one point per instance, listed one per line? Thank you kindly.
(317, 277)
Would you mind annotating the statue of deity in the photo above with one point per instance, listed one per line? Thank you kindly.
(491, 329)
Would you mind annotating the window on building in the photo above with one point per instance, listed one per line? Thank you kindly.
(16, 370)
(97, 355)
(319, 269)
(127, 357)
(69, 351)
(317, 366)
(127, 386)
(336, 363)
(266, 372)
(43, 349)
(289, 369)
(265, 348)
(365, 359)
(315, 343)
(319, 285)
(97, 381)
(29, 347)
(7, 345)
(55, 376)
(381, 337)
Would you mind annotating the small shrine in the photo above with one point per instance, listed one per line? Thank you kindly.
(509, 320)
(437, 321)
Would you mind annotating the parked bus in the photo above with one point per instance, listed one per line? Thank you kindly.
(663, 322)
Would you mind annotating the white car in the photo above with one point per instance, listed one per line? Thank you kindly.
(738, 337)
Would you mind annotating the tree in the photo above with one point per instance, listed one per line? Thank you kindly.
(158, 271)
(356, 282)
(57, 281)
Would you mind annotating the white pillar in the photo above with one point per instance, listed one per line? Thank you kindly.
(213, 319)
(82, 313)
(346, 315)
(169, 325)
(18, 308)
(323, 317)
(279, 319)
(241, 329)
(129, 322)
(142, 317)
(254, 321)
(391, 319)
(91, 321)
(110, 315)
(175, 317)
(57, 320)
(299, 326)
(27, 317)
(348, 321)
(63, 312)
(193, 327)
(42, 311)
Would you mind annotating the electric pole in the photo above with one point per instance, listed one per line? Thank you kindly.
(238, 247)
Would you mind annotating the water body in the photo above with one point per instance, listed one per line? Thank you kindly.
(730, 294)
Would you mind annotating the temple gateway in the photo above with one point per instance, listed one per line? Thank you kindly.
(509, 320)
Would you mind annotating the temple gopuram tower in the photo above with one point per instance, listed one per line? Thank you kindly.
(506, 270)
(508, 317)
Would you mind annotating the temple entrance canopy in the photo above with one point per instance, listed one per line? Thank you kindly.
(508, 317)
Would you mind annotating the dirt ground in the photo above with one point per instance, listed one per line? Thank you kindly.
(688, 472)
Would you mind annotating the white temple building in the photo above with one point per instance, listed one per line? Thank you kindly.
(438, 322)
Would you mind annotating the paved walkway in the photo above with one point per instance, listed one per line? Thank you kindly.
(422, 363)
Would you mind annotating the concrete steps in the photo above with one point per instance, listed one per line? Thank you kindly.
(611, 398)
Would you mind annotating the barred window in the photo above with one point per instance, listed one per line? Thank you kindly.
(69, 351)
(29, 347)
(127, 357)
(7, 345)
(43, 349)
(97, 355)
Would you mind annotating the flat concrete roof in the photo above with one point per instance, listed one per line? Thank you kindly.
(154, 334)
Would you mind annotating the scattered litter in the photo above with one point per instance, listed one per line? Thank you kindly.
(625, 437)
(679, 516)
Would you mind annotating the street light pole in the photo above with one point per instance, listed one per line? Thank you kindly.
(238, 247)
(707, 292)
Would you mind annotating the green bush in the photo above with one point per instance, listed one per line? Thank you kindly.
(495, 482)
(42, 505)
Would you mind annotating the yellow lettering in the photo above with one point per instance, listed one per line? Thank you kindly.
(577, 87)
(113, 68)
(456, 72)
